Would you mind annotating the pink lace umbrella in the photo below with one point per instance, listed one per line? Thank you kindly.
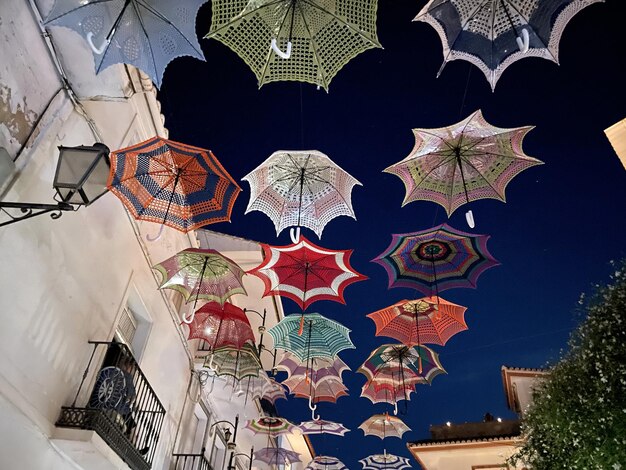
(320, 426)
(384, 426)
(221, 325)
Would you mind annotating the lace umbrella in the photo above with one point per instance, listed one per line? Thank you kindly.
(494, 34)
(329, 390)
(221, 325)
(302, 189)
(429, 320)
(305, 272)
(203, 274)
(436, 259)
(383, 392)
(273, 391)
(234, 362)
(324, 462)
(416, 364)
(467, 161)
(173, 184)
(270, 425)
(384, 426)
(320, 368)
(148, 34)
(384, 462)
(320, 337)
(319, 36)
(320, 426)
(276, 456)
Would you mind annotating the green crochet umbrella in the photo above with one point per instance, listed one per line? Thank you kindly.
(316, 336)
(297, 40)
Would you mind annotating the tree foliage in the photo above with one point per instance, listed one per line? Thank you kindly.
(578, 416)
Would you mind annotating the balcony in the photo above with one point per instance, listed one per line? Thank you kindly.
(190, 462)
(121, 408)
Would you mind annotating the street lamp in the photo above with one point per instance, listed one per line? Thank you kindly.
(231, 465)
(227, 432)
(80, 178)
(273, 353)
(262, 327)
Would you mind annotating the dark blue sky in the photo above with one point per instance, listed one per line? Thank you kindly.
(563, 222)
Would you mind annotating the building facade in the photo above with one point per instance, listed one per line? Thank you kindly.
(79, 303)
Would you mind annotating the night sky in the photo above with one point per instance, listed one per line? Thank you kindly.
(555, 237)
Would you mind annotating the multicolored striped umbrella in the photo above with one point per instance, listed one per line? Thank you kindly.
(305, 272)
(174, 184)
(324, 462)
(301, 189)
(320, 426)
(384, 462)
(416, 364)
(270, 425)
(414, 322)
(384, 426)
(320, 368)
(317, 337)
(436, 259)
(276, 456)
(234, 362)
(221, 325)
(391, 393)
(203, 274)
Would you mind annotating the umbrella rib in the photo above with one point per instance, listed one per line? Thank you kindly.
(315, 50)
(143, 28)
(240, 17)
(268, 57)
(93, 2)
(485, 179)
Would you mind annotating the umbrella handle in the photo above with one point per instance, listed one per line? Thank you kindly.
(312, 407)
(97, 50)
(191, 317)
(523, 42)
(469, 215)
(395, 409)
(279, 53)
(150, 238)
(294, 234)
(314, 417)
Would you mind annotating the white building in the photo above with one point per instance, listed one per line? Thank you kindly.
(87, 277)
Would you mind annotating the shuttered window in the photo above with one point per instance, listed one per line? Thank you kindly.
(127, 327)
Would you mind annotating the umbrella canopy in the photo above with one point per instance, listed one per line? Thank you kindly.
(273, 391)
(252, 386)
(416, 364)
(329, 390)
(318, 36)
(234, 362)
(174, 184)
(270, 425)
(201, 274)
(467, 161)
(319, 337)
(384, 462)
(436, 259)
(383, 392)
(494, 34)
(429, 320)
(276, 456)
(300, 188)
(384, 426)
(324, 462)
(221, 325)
(320, 426)
(320, 368)
(305, 272)
(148, 34)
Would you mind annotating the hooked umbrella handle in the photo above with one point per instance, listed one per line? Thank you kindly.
(523, 42)
(294, 234)
(279, 53)
(97, 50)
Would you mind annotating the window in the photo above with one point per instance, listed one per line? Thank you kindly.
(133, 322)
(126, 327)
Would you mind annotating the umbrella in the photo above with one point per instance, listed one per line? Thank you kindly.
(273, 391)
(319, 36)
(387, 392)
(464, 162)
(384, 426)
(324, 462)
(440, 257)
(413, 322)
(320, 368)
(148, 34)
(253, 386)
(203, 274)
(321, 337)
(305, 272)
(320, 426)
(328, 390)
(494, 34)
(234, 362)
(270, 425)
(173, 184)
(276, 456)
(384, 462)
(301, 188)
(221, 325)
(416, 364)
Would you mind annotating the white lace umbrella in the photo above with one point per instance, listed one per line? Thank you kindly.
(301, 189)
(384, 462)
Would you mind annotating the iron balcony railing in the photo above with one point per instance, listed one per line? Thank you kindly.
(122, 406)
(191, 462)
